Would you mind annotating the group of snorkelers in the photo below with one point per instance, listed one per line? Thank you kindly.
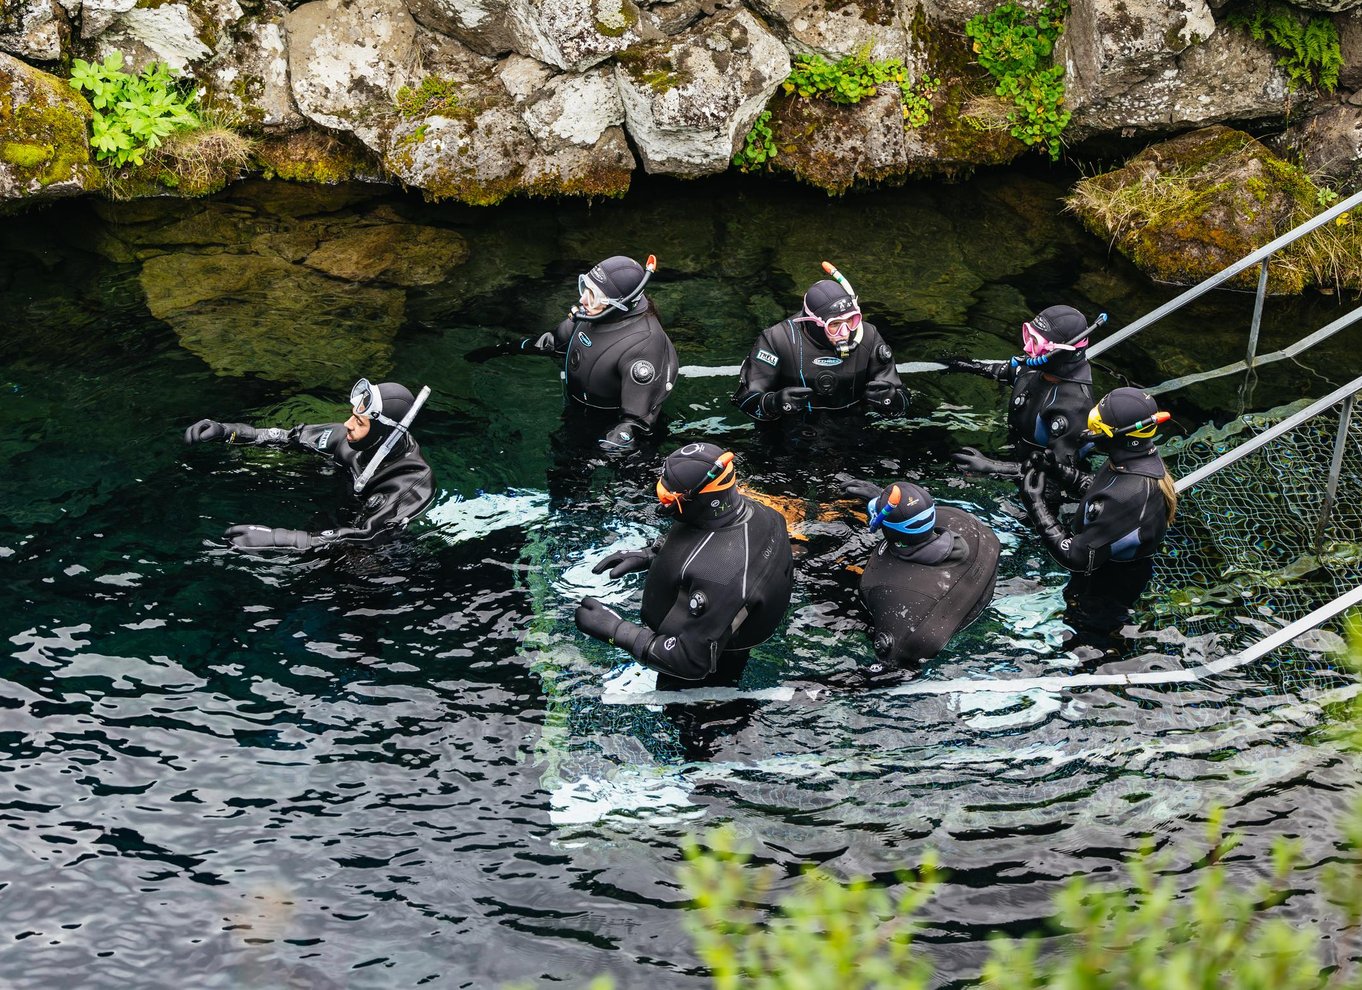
(719, 581)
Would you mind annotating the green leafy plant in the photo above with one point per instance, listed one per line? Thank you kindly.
(826, 934)
(1016, 46)
(917, 101)
(759, 147)
(133, 113)
(1311, 54)
(849, 80)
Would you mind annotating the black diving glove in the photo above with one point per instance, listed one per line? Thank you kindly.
(623, 562)
(785, 401)
(543, 344)
(997, 370)
(265, 538)
(206, 430)
(1072, 478)
(1047, 524)
(885, 399)
(970, 461)
(861, 489)
(621, 439)
(602, 622)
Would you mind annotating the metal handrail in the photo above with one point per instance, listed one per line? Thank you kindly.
(1291, 422)
(1304, 344)
(1260, 256)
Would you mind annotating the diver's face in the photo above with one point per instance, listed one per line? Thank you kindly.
(356, 428)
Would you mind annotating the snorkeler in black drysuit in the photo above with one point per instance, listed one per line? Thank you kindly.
(1126, 508)
(615, 354)
(822, 359)
(1051, 392)
(931, 576)
(718, 582)
(389, 478)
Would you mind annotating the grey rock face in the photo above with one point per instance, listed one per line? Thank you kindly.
(1167, 70)
(688, 101)
(31, 29)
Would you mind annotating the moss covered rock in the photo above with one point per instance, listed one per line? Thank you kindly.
(44, 136)
(254, 314)
(1187, 208)
(395, 253)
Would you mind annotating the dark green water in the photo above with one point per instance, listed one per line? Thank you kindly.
(395, 769)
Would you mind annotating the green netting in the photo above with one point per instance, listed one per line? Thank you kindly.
(1241, 554)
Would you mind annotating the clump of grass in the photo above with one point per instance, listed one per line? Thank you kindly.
(1123, 207)
(193, 162)
(434, 97)
(1331, 255)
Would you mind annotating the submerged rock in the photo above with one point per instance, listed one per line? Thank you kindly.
(259, 315)
(44, 143)
(396, 253)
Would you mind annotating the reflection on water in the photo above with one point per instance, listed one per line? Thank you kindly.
(407, 767)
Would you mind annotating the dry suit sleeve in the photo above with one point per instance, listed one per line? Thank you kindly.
(760, 375)
(647, 373)
(883, 369)
(383, 514)
(686, 645)
(1089, 549)
(326, 439)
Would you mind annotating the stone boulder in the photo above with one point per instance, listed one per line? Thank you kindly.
(250, 75)
(1328, 143)
(545, 136)
(1156, 67)
(179, 34)
(834, 28)
(393, 253)
(44, 136)
(1188, 208)
(485, 26)
(1350, 46)
(248, 314)
(32, 29)
(575, 34)
(346, 59)
(690, 100)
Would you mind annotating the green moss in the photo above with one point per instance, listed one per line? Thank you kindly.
(45, 137)
(25, 155)
(618, 25)
(315, 156)
(652, 65)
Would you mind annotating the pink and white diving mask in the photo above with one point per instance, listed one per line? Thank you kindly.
(1037, 345)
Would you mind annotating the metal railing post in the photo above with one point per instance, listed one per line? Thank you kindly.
(1257, 315)
(1345, 416)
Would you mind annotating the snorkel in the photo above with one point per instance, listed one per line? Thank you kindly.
(890, 505)
(853, 338)
(621, 305)
(1039, 351)
(399, 430)
(1142, 429)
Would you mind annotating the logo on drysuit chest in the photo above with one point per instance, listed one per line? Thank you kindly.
(827, 362)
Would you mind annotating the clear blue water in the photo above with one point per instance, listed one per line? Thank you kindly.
(396, 768)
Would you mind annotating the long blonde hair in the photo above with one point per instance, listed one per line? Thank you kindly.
(1170, 494)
